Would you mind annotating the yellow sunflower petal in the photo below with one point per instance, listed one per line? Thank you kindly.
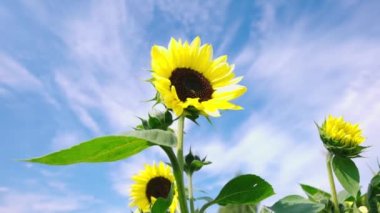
(231, 93)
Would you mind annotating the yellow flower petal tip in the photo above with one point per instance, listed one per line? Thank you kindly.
(186, 75)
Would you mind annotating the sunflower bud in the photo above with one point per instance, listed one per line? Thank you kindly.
(160, 120)
(193, 163)
(341, 138)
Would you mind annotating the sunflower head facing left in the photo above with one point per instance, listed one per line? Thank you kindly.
(187, 77)
(151, 183)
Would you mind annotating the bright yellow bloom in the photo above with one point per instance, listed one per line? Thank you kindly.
(343, 132)
(151, 183)
(186, 75)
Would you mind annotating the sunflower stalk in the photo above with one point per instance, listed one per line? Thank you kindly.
(332, 183)
(181, 126)
(191, 196)
(178, 175)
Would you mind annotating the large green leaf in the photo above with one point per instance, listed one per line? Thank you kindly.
(102, 149)
(156, 136)
(296, 204)
(315, 194)
(244, 189)
(347, 173)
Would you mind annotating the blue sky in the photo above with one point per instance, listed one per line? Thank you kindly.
(71, 72)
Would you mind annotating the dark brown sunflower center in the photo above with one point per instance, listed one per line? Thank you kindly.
(158, 187)
(191, 84)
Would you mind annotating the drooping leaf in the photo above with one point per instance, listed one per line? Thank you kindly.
(102, 149)
(347, 173)
(296, 204)
(156, 136)
(244, 189)
(315, 194)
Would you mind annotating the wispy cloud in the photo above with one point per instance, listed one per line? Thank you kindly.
(65, 140)
(21, 202)
(298, 75)
(16, 78)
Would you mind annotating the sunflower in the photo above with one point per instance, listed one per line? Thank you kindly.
(151, 183)
(341, 137)
(186, 75)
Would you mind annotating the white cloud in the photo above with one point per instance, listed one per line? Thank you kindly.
(298, 76)
(109, 84)
(3, 189)
(65, 139)
(16, 78)
(200, 17)
(21, 202)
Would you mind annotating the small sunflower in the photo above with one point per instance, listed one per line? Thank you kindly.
(151, 183)
(186, 75)
(341, 137)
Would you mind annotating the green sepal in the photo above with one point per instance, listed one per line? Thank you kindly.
(160, 120)
(193, 163)
(192, 114)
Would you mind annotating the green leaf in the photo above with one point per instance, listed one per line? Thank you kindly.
(161, 205)
(238, 208)
(345, 196)
(244, 189)
(156, 136)
(374, 194)
(315, 194)
(347, 173)
(205, 198)
(102, 149)
(265, 209)
(296, 204)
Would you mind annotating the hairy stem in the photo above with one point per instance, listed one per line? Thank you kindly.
(204, 207)
(191, 196)
(178, 175)
(332, 183)
(181, 126)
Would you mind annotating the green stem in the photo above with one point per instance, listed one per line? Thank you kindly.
(332, 183)
(191, 196)
(181, 126)
(204, 207)
(178, 175)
